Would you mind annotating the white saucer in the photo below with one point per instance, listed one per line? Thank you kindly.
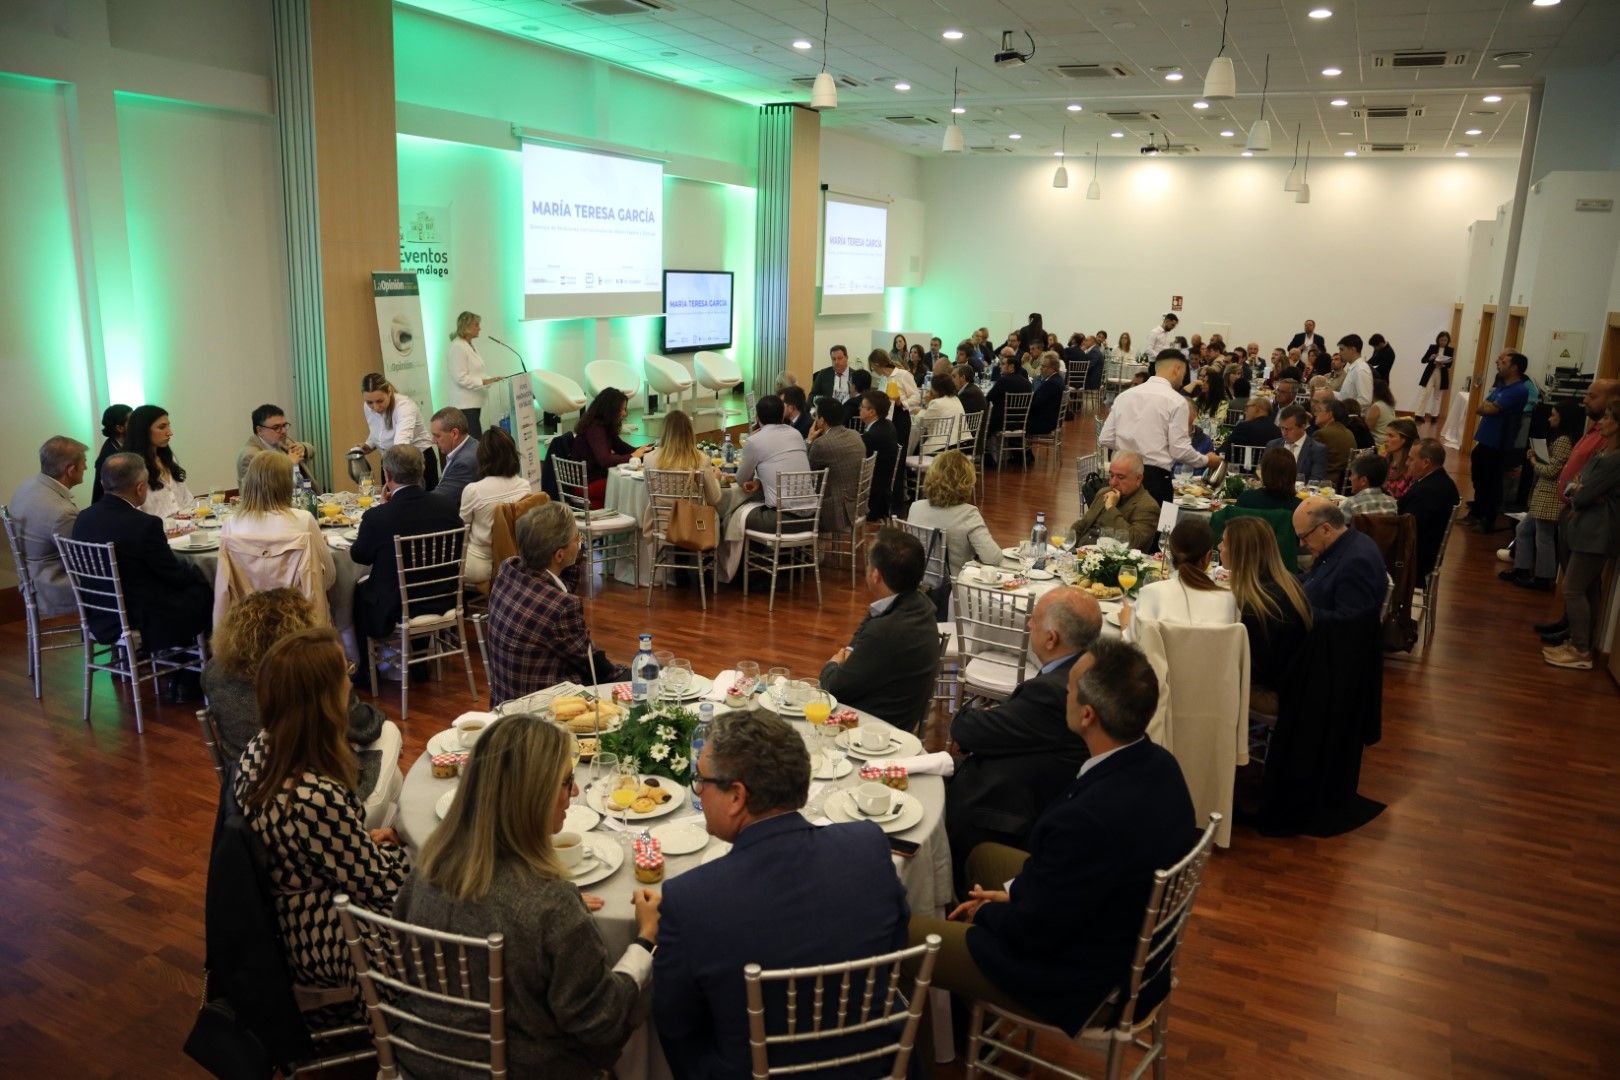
(776, 705)
(447, 741)
(901, 744)
(183, 544)
(606, 856)
(717, 850)
(840, 807)
(580, 819)
(1039, 575)
(681, 837)
(1111, 617)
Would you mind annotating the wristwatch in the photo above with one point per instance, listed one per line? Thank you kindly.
(645, 944)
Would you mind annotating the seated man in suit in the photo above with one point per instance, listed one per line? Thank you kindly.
(1255, 429)
(1020, 754)
(1058, 936)
(1310, 456)
(833, 886)
(1348, 577)
(1334, 436)
(168, 602)
(43, 509)
(406, 510)
(1430, 497)
(1012, 379)
(1125, 505)
(1048, 400)
(881, 439)
(841, 452)
(967, 391)
(458, 450)
(273, 431)
(833, 381)
(890, 666)
(796, 410)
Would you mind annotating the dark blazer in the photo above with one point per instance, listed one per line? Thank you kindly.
(409, 512)
(462, 470)
(893, 663)
(1260, 432)
(1312, 460)
(881, 439)
(168, 601)
(1383, 359)
(1066, 937)
(803, 422)
(108, 449)
(1431, 364)
(972, 398)
(823, 381)
(1020, 757)
(1298, 342)
(1045, 405)
(1348, 579)
(789, 894)
(1430, 501)
(1016, 383)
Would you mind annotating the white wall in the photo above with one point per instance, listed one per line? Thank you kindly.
(1378, 248)
(1486, 240)
(1567, 273)
(1580, 122)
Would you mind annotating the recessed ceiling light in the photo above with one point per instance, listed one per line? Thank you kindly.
(1227, 134)
(1338, 103)
(1473, 131)
(1248, 153)
(1543, 3)
(1320, 13)
(1200, 104)
(1491, 99)
(902, 86)
(1172, 76)
(1057, 153)
(1074, 106)
(958, 109)
(952, 35)
(1346, 133)
(1462, 153)
(1015, 135)
(1509, 67)
(1330, 72)
(1116, 134)
(801, 44)
(1349, 153)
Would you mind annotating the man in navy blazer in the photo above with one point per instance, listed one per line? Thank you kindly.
(1047, 400)
(458, 449)
(167, 601)
(1308, 339)
(1348, 577)
(789, 894)
(1310, 456)
(408, 511)
(1051, 932)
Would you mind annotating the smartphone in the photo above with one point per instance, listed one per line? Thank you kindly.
(903, 848)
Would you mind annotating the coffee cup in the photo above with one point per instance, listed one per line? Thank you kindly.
(874, 799)
(570, 848)
(468, 729)
(198, 539)
(989, 575)
(872, 737)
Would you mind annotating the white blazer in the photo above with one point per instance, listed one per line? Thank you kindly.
(466, 389)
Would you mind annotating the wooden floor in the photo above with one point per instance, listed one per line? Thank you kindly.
(1471, 930)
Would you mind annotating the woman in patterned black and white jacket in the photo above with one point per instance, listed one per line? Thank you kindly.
(296, 788)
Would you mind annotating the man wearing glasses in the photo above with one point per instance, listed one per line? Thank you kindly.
(1347, 578)
(273, 431)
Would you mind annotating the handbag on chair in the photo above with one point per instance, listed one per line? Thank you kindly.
(694, 527)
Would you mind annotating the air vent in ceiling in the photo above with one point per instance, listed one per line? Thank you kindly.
(1418, 58)
(1179, 148)
(1109, 70)
(1386, 147)
(990, 149)
(912, 121)
(1134, 117)
(620, 7)
(1389, 112)
(844, 82)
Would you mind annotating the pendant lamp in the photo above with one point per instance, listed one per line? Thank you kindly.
(1293, 181)
(953, 133)
(1094, 189)
(1060, 179)
(1303, 195)
(1220, 81)
(1260, 130)
(824, 94)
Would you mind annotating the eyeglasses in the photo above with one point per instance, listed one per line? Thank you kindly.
(699, 781)
(277, 428)
(1302, 535)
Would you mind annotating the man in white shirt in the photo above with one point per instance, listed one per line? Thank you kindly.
(1151, 420)
(1358, 375)
(1163, 336)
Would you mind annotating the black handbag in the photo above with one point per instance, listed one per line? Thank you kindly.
(223, 1045)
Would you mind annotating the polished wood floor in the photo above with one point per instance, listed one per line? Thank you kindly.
(1472, 930)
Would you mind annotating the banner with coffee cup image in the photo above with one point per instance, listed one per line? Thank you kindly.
(399, 328)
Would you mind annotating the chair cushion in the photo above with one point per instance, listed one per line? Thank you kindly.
(422, 622)
(993, 671)
(608, 523)
(789, 539)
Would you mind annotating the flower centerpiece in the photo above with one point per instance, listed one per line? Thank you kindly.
(1101, 564)
(657, 738)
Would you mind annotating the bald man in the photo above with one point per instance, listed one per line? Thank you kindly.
(1021, 753)
(1348, 578)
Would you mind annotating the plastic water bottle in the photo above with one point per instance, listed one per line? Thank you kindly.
(728, 453)
(643, 671)
(1037, 536)
(700, 735)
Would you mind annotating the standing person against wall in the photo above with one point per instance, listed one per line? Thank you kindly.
(467, 378)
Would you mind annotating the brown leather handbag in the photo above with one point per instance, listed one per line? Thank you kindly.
(694, 526)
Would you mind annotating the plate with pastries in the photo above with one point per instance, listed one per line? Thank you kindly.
(584, 715)
(636, 798)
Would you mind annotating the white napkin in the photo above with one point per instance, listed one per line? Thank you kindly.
(722, 683)
(937, 764)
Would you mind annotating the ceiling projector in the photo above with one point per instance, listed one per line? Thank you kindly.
(1011, 57)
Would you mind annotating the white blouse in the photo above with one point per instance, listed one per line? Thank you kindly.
(478, 502)
(167, 501)
(466, 389)
(408, 429)
(910, 396)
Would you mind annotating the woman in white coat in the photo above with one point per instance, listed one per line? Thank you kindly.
(392, 419)
(467, 378)
(1190, 595)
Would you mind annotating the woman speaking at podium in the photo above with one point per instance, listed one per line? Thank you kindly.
(467, 378)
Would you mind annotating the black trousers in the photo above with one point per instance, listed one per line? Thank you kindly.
(1485, 464)
(1157, 482)
(475, 426)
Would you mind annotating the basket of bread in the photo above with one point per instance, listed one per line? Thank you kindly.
(584, 715)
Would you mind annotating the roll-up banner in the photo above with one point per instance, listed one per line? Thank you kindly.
(399, 326)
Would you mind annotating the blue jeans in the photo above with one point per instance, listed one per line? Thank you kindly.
(1535, 547)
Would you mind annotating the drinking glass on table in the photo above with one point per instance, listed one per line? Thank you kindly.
(747, 677)
(664, 658)
(216, 498)
(625, 769)
(1127, 580)
(818, 714)
(676, 679)
(776, 681)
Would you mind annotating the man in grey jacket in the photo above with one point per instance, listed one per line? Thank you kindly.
(841, 451)
(43, 509)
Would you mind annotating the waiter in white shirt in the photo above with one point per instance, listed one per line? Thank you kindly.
(1163, 336)
(467, 378)
(1151, 420)
(1358, 374)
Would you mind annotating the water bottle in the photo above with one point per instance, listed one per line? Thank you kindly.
(728, 453)
(700, 735)
(1037, 539)
(643, 671)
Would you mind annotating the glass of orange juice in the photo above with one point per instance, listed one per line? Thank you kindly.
(1127, 579)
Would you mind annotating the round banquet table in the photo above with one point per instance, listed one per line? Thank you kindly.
(627, 494)
(926, 876)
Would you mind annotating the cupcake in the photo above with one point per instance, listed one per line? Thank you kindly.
(649, 860)
(447, 766)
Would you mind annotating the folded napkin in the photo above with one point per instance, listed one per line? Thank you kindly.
(938, 764)
(722, 684)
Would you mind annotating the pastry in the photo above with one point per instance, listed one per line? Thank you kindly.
(447, 766)
(893, 776)
(847, 719)
(649, 860)
(643, 805)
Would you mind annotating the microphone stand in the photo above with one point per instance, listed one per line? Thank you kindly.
(550, 421)
(511, 350)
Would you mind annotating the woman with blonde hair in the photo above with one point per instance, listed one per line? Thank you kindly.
(266, 512)
(492, 867)
(1270, 602)
(296, 790)
(467, 379)
(947, 505)
(677, 451)
(392, 419)
(255, 623)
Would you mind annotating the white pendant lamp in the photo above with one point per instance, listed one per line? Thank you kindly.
(953, 133)
(824, 94)
(1220, 81)
(1303, 195)
(1260, 131)
(1094, 189)
(1060, 179)
(1294, 179)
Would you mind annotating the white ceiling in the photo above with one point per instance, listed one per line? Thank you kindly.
(742, 49)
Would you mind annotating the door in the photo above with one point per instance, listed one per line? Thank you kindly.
(1609, 357)
(1482, 363)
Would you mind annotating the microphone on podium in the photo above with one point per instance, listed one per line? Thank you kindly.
(511, 350)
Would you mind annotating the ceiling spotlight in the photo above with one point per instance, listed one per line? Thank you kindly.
(1228, 134)
(1200, 104)
(1349, 153)
(1543, 3)
(1338, 103)
(1473, 131)
(1247, 153)
(1116, 134)
(801, 44)
(1014, 135)
(1491, 99)
(1074, 107)
(1509, 67)
(1057, 153)
(1331, 72)
(1464, 153)
(958, 109)
(952, 35)
(902, 86)
(1320, 13)
(1172, 76)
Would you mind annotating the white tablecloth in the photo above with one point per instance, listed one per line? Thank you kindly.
(926, 876)
(1457, 419)
(627, 494)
